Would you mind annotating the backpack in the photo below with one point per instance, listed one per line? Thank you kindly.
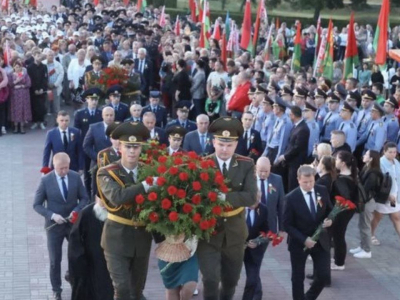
(383, 192)
(361, 195)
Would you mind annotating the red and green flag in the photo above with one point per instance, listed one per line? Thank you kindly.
(193, 10)
(260, 13)
(296, 65)
(327, 64)
(381, 34)
(205, 27)
(141, 5)
(351, 55)
(217, 31)
(318, 39)
(33, 3)
(245, 42)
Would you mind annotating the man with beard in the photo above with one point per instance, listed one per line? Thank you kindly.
(87, 267)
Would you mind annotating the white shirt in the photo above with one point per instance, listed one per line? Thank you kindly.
(252, 216)
(59, 182)
(307, 198)
(152, 133)
(172, 151)
(221, 162)
(62, 134)
(135, 172)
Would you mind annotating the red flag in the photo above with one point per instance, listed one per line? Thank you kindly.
(126, 2)
(217, 31)
(277, 23)
(257, 25)
(4, 4)
(96, 2)
(381, 34)
(7, 54)
(177, 29)
(192, 7)
(200, 12)
(245, 42)
(162, 17)
(223, 52)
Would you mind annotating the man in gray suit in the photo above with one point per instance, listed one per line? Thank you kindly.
(200, 140)
(272, 193)
(59, 194)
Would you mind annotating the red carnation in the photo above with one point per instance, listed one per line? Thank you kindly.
(196, 218)
(204, 176)
(183, 176)
(211, 163)
(212, 196)
(216, 210)
(161, 169)
(152, 196)
(192, 166)
(192, 155)
(173, 216)
(187, 208)
(219, 179)
(204, 164)
(224, 189)
(149, 180)
(178, 161)
(74, 217)
(212, 222)
(196, 199)
(161, 181)
(139, 199)
(153, 217)
(204, 225)
(172, 190)
(166, 203)
(196, 185)
(162, 159)
(173, 170)
(181, 194)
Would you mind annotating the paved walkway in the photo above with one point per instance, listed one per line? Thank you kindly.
(24, 262)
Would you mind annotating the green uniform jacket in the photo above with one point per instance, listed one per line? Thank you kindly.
(118, 238)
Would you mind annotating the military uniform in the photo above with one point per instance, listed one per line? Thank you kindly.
(331, 122)
(363, 121)
(132, 89)
(314, 131)
(221, 258)
(350, 130)
(125, 241)
(392, 124)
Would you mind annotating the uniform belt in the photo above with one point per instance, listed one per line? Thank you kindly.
(132, 93)
(124, 221)
(232, 213)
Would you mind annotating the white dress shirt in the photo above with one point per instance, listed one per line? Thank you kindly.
(221, 162)
(252, 216)
(135, 172)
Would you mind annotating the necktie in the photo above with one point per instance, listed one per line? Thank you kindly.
(65, 140)
(116, 107)
(312, 205)
(202, 142)
(384, 119)
(341, 126)
(316, 116)
(248, 219)
(132, 175)
(64, 187)
(359, 125)
(370, 130)
(183, 125)
(325, 123)
(154, 110)
(272, 133)
(246, 140)
(263, 193)
(141, 66)
(224, 169)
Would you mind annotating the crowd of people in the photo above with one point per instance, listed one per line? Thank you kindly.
(301, 130)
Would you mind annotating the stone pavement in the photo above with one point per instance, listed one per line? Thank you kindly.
(24, 265)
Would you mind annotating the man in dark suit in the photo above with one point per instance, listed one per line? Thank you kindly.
(297, 149)
(121, 109)
(96, 139)
(183, 108)
(306, 208)
(250, 143)
(64, 139)
(257, 222)
(155, 107)
(156, 133)
(200, 140)
(60, 193)
(144, 66)
(83, 119)
(106, 54)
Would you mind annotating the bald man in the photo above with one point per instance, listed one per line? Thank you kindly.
(60, 192)
(96, 138)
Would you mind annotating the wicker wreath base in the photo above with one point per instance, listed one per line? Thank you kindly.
(173, 249)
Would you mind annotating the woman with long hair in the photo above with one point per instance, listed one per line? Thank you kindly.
(389, 164)
(326, 170)
(371, 179)
(345, 186)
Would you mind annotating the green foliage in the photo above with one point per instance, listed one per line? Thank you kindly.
(356, 4)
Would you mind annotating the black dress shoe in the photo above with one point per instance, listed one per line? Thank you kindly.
(57, 296)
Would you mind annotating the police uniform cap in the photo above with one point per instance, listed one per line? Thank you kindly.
(90, 9)
(104, 12)
(111, 128)
(90, 5)
(340, 88)
(92, 93)
(300, 92)
(393, 102)
(148, 32)
(309, 106)
(96, 58)
(119, 20)
(177, 132)
(251, 91)
(354, 96)
(332, 97)
(145, 22)
(183, 105)
(114, 90)
(286, 90)
(273, 87)
(67, 22)
(122, 10)
(157, 26)
(377, 107)
(348, 107)
(127, 61)
(368, 94)
(262, 88)
(95, 18)
(131, 133)
(267, 99)
(226, 129)
(138, 15)
(130, 26)
(279, 102)
(81, 25)
(155, 94)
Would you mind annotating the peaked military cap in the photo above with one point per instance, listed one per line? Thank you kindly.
(226, 129)
(309, 106)
(96, 58)
(300, 92)
(332, 97)
(251, 91)
(340, 88)
(131, 133)
(279, 102)
(354, 96)
(177, 132)
(273, 87)
(111, 128)
(286, 90)
(368, 94)
(155, 94)
(393, 102)
(348, 107)
(262, 88)
(114, 90)
(127, 61)
(378, 108)
(267, 99)
(92, 93)
(183, 105)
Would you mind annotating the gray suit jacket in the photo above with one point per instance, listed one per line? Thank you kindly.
(275, 202)
(49, 199)
(192, 143)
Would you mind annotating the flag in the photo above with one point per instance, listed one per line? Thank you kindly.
(245, 42)
(317, 38)
(351, 56)
(96, 2)
(381, 34)
(4, 4)
(141, 5)
(177, 29)
(297, 50)
(33, 3)
(223, 51)
(257, 25)
(200, 10)
(217, 31)
(277, 24)
(7, 54)
(192, 7)
(268, 42)
(205, 27)
(227, 26)
(126, 2)
(327, 65)
(162, 17)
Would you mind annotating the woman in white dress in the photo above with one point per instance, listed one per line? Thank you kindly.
(389, 164)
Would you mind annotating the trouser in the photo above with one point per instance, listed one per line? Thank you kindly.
(199, 105)
(321, 260)
(38, 104)
(271, 154)
(252, 265)
(220, 265)
(88, 175)
(3, 114)
(66, 90)
(55, 239)
(128, 275)
(292, 177)
(364, 224)
(338, 233)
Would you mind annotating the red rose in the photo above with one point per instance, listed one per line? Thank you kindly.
(166, 204)
(161, 181)
(178, 161)
(212, 196)
(196, 185)
(212, 222)
(172, 190)
(162, 159)
(152, 196)
(155, 152)
(204, 164)
(149, 180)
(153, 217)
(224, 188)
(181, 194)
(139, 199)
(173, 170)
(196, 218)
(192, 155)
(183, 176)
(161, 169)
(192, 166)
(216, 210)
(204, 176)
(196, 199)
(204, 225)
(173, 216)
(219, 179)
(187, 208)
(211, 163)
